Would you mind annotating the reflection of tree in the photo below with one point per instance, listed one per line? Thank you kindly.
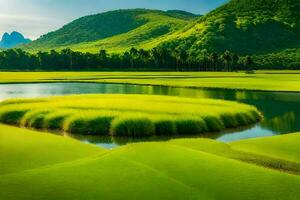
(282, 124)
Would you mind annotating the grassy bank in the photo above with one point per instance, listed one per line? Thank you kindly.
(185, 169)
(127, 115)
(262, 80)
(21, 149)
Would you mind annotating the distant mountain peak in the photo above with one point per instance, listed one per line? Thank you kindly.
(5, 35)
(12, 40)
(15, 33)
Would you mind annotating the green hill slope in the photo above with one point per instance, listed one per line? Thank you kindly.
(177, 169)
(114, 30)
(243, 26)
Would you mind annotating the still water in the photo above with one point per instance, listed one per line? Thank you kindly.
(281, 109)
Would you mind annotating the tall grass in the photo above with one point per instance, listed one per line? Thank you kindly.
(127, 115)
(12, 116)
(89, 125)
(190, 125)
(215, 123)
(55, 120)
(34, 119)
(132, 126)
(165, 126)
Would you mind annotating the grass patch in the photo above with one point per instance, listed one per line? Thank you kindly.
(191, 125)
(89, 125)
(229, 120)
(12, 117)
(132, 126)
(49, 167)
(55, 120)
(165, 127)
(261, 80)
(215, 123)
(34, 119)
(22, 149)
(285, 147)
(128, 115)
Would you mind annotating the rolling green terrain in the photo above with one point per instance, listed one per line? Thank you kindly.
(262, 80)
(128, 115)
(115, 30)
(38, 165)
(32, 168)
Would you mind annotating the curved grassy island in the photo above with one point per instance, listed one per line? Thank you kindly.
(127, 115)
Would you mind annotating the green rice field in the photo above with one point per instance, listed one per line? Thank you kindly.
(261, 80)
(127, 115)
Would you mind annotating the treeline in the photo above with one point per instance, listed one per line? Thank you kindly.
(288, 59)
(135, 59)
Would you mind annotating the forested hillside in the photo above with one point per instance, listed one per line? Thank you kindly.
(266, 30)
(114, 30)
(258, 27)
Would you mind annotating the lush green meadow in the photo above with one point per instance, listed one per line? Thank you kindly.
(42, 166)
(152, 147)
(127, 115)
(261, 80)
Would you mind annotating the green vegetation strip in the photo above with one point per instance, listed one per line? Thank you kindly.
(127, 115)
(48, 167)
(261, 80)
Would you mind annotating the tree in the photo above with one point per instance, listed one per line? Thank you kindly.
(235, 60)
(227, 58)
(133, 52)
(68, 54)
(155, 54)
(160, 57)
(213, 57)
(248, 63)
(181, 56)
(204, 60)
(103, 57)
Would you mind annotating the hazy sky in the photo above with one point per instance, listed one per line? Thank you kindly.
(37, 17)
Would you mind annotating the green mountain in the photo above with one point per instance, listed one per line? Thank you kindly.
(115, 30)
(243, 26)
(267, 29)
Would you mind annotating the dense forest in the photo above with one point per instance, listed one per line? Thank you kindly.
(252, 27)
(134, 59)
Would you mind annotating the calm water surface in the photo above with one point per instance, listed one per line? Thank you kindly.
(281, 109)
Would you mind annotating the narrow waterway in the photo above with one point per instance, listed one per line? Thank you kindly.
(281, 109)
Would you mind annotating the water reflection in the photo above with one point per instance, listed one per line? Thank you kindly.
(281, 110)
(282, 123)
(110, 142)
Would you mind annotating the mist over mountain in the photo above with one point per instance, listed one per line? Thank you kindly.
(12, 40)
